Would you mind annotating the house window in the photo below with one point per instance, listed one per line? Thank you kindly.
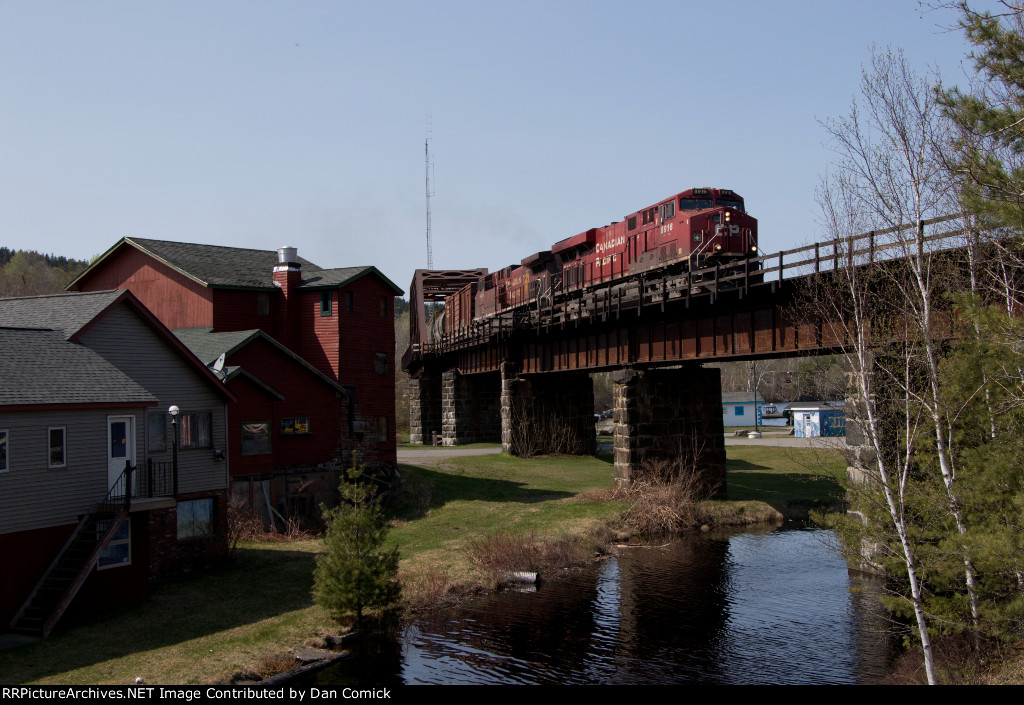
(295, 426)
(380, 363)
(350, 302)
(119, 551)
(382, 429)
(325, 303)
(195, 519)
(156, 432)
(56, 437)
(196, 430)
(739, 411)
(263, 304)
(256, 438)
(383, 307)
(3, 450)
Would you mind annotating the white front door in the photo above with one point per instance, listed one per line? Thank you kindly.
(120, 447)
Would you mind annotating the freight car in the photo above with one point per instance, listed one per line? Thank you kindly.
(690, 231)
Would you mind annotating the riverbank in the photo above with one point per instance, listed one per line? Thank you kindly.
(208, 628)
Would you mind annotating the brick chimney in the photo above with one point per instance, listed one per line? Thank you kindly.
(288, 276)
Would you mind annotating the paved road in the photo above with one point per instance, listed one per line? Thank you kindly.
(429, 455)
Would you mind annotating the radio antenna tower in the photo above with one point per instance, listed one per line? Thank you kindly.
(426, 149)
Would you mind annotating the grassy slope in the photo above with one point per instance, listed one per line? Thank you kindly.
(204, 628)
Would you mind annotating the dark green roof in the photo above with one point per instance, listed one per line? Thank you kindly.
(208, 346)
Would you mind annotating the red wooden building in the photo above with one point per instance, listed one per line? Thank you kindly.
(310, 354)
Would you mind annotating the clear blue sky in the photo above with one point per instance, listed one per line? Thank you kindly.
(260, 124)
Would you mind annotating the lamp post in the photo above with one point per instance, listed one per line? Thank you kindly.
(174, 411)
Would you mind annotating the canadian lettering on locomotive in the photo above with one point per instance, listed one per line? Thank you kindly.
(690, 231)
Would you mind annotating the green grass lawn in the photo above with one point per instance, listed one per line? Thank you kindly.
(203, 628)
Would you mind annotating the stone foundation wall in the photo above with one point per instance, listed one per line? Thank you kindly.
(169, 556)
(548, 414)
(669, 416)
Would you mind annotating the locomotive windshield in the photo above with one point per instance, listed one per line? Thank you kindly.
(694, 204)
(729, 203)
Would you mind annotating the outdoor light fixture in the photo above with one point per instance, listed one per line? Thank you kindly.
(173, 410)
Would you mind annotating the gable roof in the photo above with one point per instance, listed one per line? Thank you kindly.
(217, 266)
(41, 367)
(208, 346)
(67, 313)
(71, 314)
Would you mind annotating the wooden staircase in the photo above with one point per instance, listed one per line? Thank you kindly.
(67, 573)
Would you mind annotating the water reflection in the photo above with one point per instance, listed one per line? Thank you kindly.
(743, 608)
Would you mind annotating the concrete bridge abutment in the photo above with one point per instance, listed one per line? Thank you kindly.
(551, 413)
(669, 420)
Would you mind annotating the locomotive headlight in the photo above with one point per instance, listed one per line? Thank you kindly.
(727, 214)
(718, 248)
(754, 249)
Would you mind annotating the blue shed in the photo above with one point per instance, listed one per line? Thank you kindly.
(811, 421)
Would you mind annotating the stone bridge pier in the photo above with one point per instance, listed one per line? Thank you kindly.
(551, 413)
(669, 417)
(461, 408)
(665, 419)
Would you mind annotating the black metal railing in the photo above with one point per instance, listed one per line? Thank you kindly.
(120, 493)
(159, 480)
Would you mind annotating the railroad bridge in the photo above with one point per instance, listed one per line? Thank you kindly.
(523, 376)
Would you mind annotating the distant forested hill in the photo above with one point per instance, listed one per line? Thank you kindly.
(26, 273)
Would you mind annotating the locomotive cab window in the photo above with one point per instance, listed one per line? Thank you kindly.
(694, 204)
(730, 203)
(668, 210)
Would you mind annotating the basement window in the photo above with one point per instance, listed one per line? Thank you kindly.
(119, 551)
(325, 303)
(195, 519)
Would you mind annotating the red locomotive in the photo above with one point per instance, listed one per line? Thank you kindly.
(698, 228)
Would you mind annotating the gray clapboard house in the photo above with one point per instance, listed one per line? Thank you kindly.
(87, 381)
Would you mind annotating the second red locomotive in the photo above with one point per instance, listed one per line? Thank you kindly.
(694, 229)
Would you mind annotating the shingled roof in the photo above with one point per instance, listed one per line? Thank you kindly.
(67, 313)
(208, 346)
(70, 314)
(234, 267)
(41, 367)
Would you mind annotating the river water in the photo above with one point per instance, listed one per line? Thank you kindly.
(742, 608)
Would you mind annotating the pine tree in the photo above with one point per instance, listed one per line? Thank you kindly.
(356, 575)
(990, 117)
